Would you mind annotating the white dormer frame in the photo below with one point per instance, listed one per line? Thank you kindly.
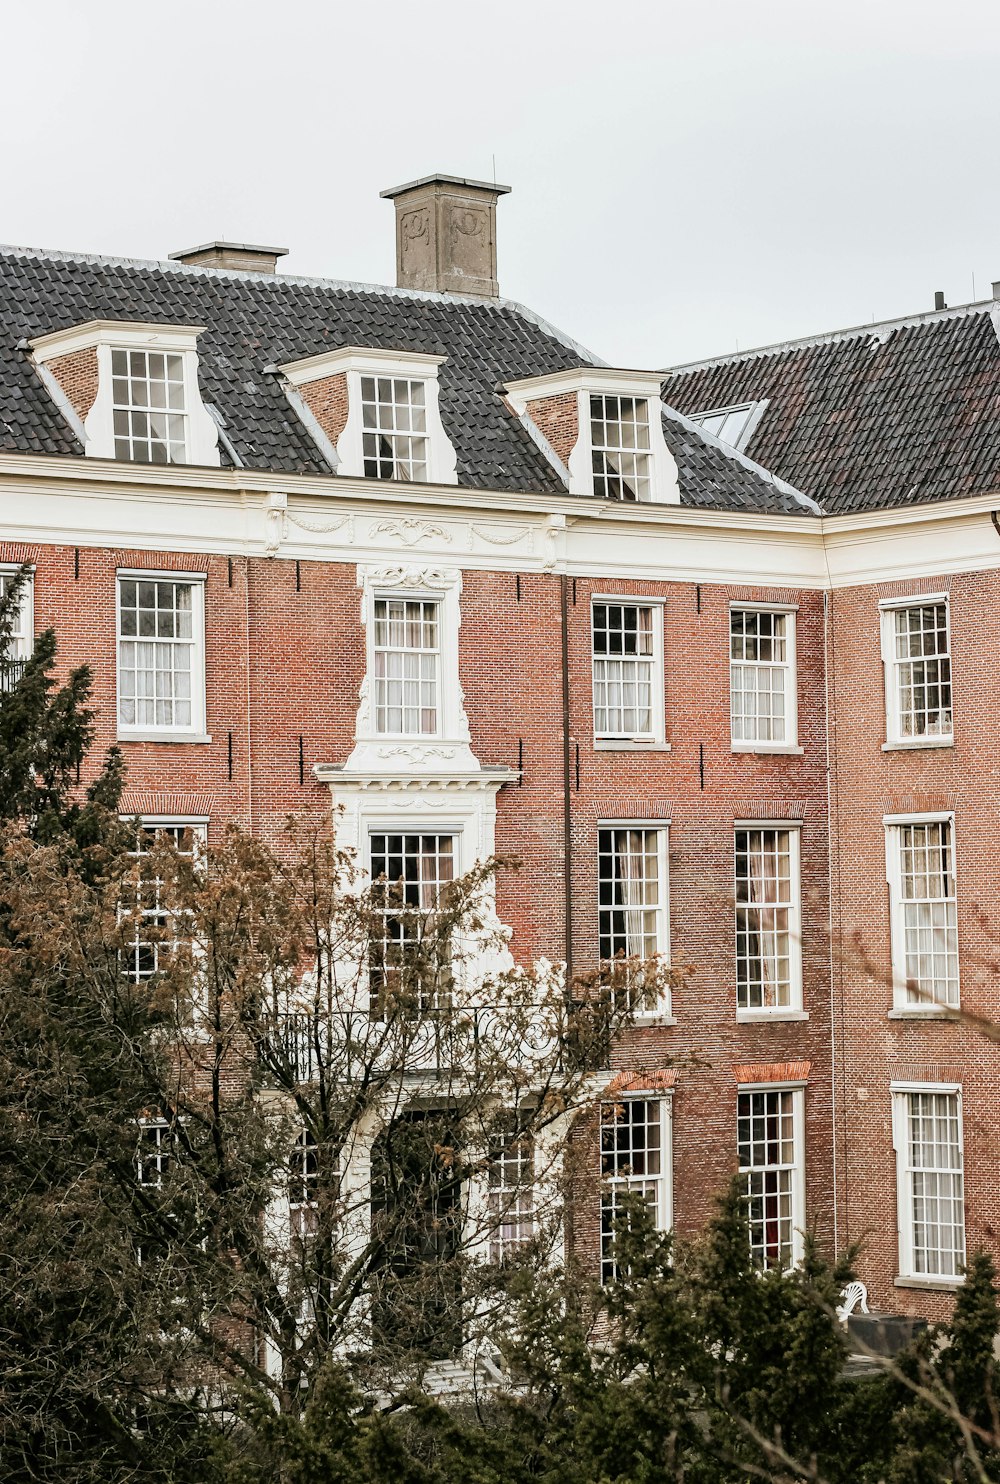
(104, 336)
(585, 381)
(354, 362)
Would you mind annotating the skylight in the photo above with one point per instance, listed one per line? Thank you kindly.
(732, 425)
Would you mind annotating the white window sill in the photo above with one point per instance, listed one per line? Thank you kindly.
(652, 1019)
(629, 744)
(755, 1017)
(947, 1285)
(153, 736)
(934, 1012)
(787, 749)
(915, 744)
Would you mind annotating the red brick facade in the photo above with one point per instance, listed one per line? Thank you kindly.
(327, 400)
(557, 419)
(77, 375)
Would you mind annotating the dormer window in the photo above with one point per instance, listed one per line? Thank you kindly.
(733, 425)
(148, 402)
(619, 446)
(374, 413)
(394, 419)
(602, 430)
(130, 391)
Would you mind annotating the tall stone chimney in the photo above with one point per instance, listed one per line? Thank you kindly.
(446, 238)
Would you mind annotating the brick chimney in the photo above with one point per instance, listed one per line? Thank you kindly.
(241, 257)
(446, 239)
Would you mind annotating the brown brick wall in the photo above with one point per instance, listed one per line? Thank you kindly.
(874, 1050)
(77, 375)
(327, 400)
(556, 419)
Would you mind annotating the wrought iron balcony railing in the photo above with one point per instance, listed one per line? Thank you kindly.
(10, 673)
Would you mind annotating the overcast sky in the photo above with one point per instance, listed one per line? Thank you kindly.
(686, 176)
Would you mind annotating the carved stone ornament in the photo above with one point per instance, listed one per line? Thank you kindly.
(468, 224)
(414, 230)
(498, 535)
(410, 530)
(409, 577)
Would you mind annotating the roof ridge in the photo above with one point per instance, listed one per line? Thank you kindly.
(829, 337)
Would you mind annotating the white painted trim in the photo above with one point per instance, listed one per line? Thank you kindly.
(790, 743)
(663, 1010)
(796, 1087)
(894, 738)
(24, 647)
(55, 390)
(899, 1095)
(451, 743)
(795, 1004)
(123, 334)
(892, 824)
(412, 364)
(657, 739)
(196, 732)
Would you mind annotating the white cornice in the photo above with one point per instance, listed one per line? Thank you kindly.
(196, 509)
(356, 358)
(96, 332)
(580, 378)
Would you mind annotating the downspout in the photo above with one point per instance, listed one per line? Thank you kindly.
(246, 628)
(829, 910)
(567, 817)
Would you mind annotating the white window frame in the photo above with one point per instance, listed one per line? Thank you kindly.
(165, 1129)
(901, 1093)
(197, 824)
(888, 609)
(450, 746)
(511, 1200)
(435, 601)
(147, 410)
(793, 1010)
(354, 362)
(661, 828)
(663, 1209)
(21, 644)
(103, 336)
(903, 1005)
(195, 732)
(754, 412)
(656, 738)
(587, 381)
(639, 480)
(790, 742)
(443, 993)
(798, 1172)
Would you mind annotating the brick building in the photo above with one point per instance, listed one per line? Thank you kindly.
(414, 552)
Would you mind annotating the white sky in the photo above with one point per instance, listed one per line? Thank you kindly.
(686, 175)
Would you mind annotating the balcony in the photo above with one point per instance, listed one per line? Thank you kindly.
(438, 1040)
(10, 673)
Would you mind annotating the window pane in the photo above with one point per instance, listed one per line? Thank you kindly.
(409, 956)
(766, 1146)
(766, 898)
(143, 382)
(759, 676)
(619, 438)
(922, 671)
(407, 659)
(633, 1156)
(395, 439)
(936, 1183)
(156, 653)
(623, 670)
(928, 910)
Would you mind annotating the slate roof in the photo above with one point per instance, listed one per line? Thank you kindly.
(254, 321)
(875, 417)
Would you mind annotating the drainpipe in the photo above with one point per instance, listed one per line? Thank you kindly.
(567, 818)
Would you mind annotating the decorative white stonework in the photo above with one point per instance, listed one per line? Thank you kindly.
(606, 381)
(450, 745)
(354, 362)
(104, 336)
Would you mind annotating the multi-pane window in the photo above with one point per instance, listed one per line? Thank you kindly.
(156, 931)
(768, 1144)
(148, 400)
(18, 649)
(511, 1198)
(632, 893)
(160, 654)
(762, 676)
(924, 914)
(303, 1179)
(394, 428)
(619, 442)
(917, 651)
(626, 693)
(930, 1188)
(635, 1160)
(154, 1152)
(409, 953)
(406, 649)
(768, 950)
